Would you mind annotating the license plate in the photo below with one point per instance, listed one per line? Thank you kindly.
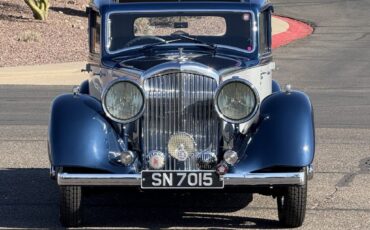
(181, 180)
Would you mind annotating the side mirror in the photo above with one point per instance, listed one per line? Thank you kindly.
(88, 10)
(269, 7)
(87, 68)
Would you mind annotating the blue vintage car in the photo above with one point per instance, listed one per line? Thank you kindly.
(180, 97)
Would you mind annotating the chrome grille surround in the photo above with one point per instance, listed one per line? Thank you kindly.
(180, 101)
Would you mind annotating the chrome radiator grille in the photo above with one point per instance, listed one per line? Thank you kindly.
(180, 102)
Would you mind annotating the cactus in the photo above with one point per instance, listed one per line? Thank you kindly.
(39, 8)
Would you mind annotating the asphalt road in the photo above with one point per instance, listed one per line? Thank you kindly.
(331, 66)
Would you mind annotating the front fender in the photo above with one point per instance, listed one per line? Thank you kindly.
(285, 136)
(80, 135)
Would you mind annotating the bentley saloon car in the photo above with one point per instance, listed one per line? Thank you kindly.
(181, 98)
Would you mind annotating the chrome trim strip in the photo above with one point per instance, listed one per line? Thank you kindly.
(296, 178)
(52, 172)
(176, 66)
(254, 24)
(310, 172)
(99, 179)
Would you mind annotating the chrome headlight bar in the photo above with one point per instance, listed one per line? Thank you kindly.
(236, 100)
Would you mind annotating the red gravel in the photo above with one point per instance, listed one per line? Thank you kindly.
(25, 41)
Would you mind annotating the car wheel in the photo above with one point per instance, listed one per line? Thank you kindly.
(70, 206)
(292, 205)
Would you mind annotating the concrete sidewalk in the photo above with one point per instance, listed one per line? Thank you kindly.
(70, 73)
(49, 74)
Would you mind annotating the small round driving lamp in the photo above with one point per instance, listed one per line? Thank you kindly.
(236, 101)
(123, 101)
(231, 157)
(127, 157)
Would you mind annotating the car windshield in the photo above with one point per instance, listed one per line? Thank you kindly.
(127, 31)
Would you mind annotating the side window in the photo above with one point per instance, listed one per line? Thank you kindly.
(95, 25)
(265, 32)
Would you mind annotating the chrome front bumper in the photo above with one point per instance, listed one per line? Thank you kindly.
(296, 178)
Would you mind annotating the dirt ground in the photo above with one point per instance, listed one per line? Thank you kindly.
(25, 41)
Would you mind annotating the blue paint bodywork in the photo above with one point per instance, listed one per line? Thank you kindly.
(98, 4)
(80, 135)
(103, 7)
(284, 136)
(275, 86)
(84, 87)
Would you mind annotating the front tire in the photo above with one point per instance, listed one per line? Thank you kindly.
(70, 206)
(292, 206)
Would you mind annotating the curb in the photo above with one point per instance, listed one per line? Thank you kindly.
(297, 30)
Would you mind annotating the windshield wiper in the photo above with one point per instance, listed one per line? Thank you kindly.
(195, 40)
(150, 46)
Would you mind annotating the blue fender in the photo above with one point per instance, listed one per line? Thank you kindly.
(285, 135)
(84, 87)
(275, 86)
(80, 135)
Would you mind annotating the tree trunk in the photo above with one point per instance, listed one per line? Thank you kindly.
(39, 8)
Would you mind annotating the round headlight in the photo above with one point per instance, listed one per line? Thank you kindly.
(123, 101)
(236, 101)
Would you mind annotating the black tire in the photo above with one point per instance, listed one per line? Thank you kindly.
(292, 206)
(70, 206)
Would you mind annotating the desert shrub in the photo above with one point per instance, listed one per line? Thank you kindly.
(29, 36)
(40, 8)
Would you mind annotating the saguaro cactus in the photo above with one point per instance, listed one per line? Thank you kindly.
(39, 8)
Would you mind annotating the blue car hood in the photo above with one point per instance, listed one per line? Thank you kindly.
(220, 63)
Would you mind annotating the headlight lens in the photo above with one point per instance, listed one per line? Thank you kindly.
(236, 101)
(123, 101)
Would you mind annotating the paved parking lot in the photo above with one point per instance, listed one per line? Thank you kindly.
(332, 66)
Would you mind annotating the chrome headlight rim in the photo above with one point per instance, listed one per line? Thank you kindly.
(255, 92)
(106, 90)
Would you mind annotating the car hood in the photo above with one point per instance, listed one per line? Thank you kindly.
(220, 63)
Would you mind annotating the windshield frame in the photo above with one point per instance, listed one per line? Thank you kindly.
(254, 28)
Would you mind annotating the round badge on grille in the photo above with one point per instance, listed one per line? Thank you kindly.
(206, 160)
(181, 146)
(156, 159)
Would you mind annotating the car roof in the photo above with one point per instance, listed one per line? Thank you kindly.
(173, 4)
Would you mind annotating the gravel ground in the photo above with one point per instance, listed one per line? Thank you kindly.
(62, 38)
(25, 41)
